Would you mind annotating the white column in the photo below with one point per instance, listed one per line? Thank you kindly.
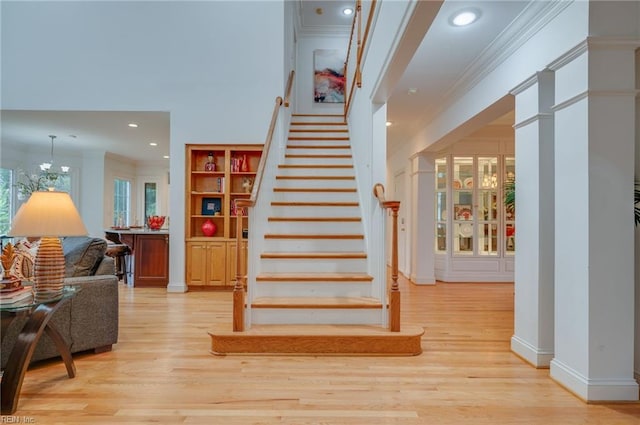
(422, 220)
(594, 267)
(534, 258)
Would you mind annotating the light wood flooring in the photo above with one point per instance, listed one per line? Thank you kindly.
(161, 371)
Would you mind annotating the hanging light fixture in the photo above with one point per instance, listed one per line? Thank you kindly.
(46, 166)
(50, 175)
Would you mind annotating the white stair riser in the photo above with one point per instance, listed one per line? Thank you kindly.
(265, 316)
(312, 289)
(308, 133)
(315, 171)
(315, 196)
(303, 150)
(313, 266)
(313, 245)
(320, 227)
(343, 144)
(313, 211)
(316, 118)
(313, 183)
(318, 161)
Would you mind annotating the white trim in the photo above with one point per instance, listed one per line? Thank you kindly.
(593, 389)
(533, 119)
(571, 101)
(569, 56)
(177, 287)
(594, 93)
(531, 354)
(423, 280)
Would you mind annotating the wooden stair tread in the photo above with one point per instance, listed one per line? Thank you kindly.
(318, 138)
(326, 156)
(312, 236)
(313, 255)
(314, 204)
(330, 340)
(318, 130)
(316, 219)
(317, 302)
(318, 147)
(314, 277)
(315, 177)
(318, 123)
(314, 166)
(315, 189)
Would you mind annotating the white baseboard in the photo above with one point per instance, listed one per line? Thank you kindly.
(177, 287)
(423, 280)
(594, 389)
(534, 356)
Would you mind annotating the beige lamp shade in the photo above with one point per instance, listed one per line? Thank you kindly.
(48, 214)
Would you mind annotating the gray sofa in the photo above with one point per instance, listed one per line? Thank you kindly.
(89, 321)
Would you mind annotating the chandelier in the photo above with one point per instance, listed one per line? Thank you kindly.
(46, 166)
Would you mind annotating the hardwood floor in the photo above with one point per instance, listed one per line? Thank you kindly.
(161, 371)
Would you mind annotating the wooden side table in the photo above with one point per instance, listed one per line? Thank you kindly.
(38, 322)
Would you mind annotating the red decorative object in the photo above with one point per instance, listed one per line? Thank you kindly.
(245, 164)
(155, 222)
(209, 228)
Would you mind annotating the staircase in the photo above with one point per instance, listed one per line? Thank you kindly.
(312, 292)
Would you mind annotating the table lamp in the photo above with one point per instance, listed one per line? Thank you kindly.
(48, 215)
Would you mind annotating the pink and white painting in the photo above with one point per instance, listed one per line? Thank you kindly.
(329, 81)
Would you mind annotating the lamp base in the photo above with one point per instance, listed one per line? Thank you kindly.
(49, 270)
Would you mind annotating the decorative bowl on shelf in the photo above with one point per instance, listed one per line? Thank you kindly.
(155, 222)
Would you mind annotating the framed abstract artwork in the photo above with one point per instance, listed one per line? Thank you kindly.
(328, 76)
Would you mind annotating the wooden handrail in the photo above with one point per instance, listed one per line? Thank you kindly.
(244, 204)
(361, 43)
(287, 94)
(394, 292)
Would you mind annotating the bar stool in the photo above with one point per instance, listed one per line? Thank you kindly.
(120, 252)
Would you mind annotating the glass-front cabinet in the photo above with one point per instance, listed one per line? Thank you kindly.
(469, 196)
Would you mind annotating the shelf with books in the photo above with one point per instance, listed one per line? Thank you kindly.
(211, 192)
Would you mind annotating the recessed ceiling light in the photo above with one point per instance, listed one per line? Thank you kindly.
(153, 144)
(133, 125)
(166, 157)
(412, 91)
(465, 17)
(347, 11)
(389, 123)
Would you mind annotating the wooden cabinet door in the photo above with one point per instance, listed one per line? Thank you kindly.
(196, 254)
(216, 263)
(151, 256)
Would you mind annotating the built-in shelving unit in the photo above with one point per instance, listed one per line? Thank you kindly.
(217, 175)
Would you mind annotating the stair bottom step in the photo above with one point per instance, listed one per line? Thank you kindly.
(329, 340)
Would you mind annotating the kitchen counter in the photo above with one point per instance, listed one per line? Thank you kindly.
(149, 262)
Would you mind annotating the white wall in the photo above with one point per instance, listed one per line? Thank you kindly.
(200, 61)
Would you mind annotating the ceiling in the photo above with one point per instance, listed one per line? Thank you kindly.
(442, 64)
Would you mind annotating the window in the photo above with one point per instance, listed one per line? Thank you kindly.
(150, 204)
(121, 202)
(6, 182)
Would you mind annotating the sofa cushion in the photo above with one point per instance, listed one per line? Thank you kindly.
(82, 255)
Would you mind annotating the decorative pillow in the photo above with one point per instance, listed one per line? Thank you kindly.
(82, 255)
(23, 264)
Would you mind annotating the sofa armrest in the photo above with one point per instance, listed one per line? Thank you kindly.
(94, 310)
(107, 266)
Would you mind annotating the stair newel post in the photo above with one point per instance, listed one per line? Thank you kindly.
(238, 289)
(394, 294)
